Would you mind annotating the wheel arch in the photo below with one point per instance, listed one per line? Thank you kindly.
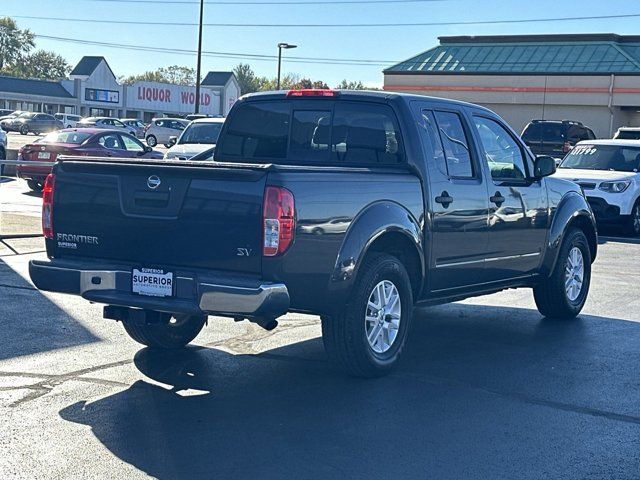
(573, 211)
(381, 227)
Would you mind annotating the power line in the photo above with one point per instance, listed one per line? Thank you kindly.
(235, 55)
(330, 25)
(230, 3)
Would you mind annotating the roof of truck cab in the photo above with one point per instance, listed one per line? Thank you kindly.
(365, 95)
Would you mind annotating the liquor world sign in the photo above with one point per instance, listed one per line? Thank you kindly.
(163, 97)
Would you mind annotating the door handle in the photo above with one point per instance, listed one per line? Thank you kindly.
(497, 198)
(444, 199)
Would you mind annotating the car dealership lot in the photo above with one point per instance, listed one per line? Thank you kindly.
(488, 388)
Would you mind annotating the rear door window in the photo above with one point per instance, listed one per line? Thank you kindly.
(455, 143)
(532, 132)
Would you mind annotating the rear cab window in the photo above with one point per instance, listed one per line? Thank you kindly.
(317, 132)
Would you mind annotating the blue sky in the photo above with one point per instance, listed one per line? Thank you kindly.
(384, 44)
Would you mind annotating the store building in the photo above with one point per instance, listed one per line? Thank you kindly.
(93, 90)
(592, 78)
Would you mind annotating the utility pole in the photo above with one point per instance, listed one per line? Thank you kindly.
(197, 105)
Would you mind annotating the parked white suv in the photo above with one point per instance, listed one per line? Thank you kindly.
(199, 136)
(160, 130)
(68, 120)
(609, 173)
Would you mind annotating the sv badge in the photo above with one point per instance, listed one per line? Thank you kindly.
(243, 252)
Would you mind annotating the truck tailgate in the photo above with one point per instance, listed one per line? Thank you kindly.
(157, 214)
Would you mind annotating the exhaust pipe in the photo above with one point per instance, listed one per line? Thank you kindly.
(267, 323)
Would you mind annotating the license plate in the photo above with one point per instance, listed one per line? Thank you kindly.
(152, 282)
(44, 155)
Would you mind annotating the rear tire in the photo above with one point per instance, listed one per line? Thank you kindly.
(632, 226)
(346, 335)
(34, 185)
(167, 335)
(564, 293)
(152, 141)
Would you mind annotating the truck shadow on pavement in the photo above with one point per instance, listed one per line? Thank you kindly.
(30, 322)
(482, 392)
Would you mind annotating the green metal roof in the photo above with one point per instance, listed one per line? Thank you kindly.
(544, 54)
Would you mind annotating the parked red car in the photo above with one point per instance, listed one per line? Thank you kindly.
(87, 142)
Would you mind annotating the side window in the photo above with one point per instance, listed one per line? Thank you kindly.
(131, 145)
(365, 133)
(430, 128)
(111, 141)
(502, 153)
(456, 145)
(118, 123)
(310, 135)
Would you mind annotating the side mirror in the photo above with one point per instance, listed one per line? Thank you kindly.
(147, 149)
(544, 166)
(173, 140)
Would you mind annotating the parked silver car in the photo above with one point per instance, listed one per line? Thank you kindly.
(160, 130)
(136, 124)
(104, 122)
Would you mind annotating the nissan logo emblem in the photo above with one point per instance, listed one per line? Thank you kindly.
(153, 182)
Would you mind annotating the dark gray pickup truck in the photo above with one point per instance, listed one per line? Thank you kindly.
(355, 206)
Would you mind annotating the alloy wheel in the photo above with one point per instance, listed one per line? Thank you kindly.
(574, 274)
(382, 317)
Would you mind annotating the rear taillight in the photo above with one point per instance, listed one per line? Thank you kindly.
(47, 206)
(21, 153)
(278, 219)
(566, 148)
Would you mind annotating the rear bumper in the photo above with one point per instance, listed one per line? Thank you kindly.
(199, 294)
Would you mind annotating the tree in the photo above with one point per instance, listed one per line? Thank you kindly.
(307, 83)
(43, 65)
(247, 78)
(15, 44)
(174, 74)
(346, 85)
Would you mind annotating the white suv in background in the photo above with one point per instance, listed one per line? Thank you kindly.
(68, 120)
(609, 173)
(200, 135)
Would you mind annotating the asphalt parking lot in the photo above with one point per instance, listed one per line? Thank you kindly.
(487, 389)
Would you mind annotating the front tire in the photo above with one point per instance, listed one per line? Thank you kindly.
(564, 293)
(367, 338)
(632, 226)
(152, 141)
(24, 129)
(176, 333)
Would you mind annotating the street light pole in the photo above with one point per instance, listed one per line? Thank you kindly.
(280, 47)
(197, 99)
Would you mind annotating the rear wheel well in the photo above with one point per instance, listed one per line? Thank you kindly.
(401, 247)
(584, 224)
